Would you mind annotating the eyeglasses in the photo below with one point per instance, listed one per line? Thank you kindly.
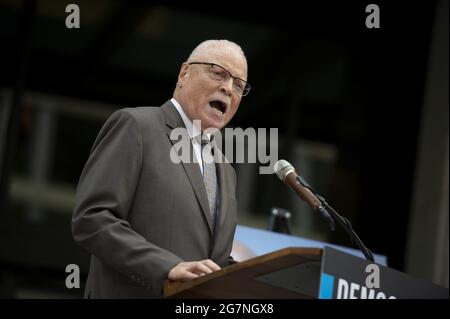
(221, 74)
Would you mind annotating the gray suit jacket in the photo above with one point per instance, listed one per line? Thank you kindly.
(139, 214)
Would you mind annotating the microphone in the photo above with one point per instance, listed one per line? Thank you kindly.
(286, 173)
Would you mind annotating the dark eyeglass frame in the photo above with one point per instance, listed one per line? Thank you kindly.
(247, 86)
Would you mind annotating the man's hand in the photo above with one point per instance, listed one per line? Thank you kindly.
(185, 271)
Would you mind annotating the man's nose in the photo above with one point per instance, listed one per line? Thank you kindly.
(227, 87)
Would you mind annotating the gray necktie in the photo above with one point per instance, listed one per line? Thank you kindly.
(209, 176)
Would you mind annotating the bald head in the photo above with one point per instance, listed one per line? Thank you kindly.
(212, 47)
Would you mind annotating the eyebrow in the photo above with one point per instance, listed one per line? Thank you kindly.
(228, 69)
(224, 67)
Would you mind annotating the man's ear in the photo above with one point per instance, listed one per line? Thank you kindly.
(184, 73)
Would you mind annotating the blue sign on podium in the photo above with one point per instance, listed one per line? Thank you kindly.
(344, 276)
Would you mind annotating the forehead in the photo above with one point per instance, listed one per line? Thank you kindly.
(231, 60)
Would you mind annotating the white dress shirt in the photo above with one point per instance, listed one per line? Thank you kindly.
(193, 132)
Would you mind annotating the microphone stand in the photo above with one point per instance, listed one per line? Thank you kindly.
(344, 222)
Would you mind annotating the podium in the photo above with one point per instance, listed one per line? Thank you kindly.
(299, 273)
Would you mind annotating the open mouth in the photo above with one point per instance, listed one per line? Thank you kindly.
(218, 105)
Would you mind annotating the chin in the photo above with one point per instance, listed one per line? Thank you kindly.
(213, 124)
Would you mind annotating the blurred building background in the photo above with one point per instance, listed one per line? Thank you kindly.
(361, 113)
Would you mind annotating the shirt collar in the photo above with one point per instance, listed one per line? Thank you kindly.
(193, 132)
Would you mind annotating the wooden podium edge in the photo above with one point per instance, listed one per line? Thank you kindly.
(172, 288)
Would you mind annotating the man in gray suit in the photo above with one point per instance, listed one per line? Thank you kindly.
(145, 217)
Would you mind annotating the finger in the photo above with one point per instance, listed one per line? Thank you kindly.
(211, 264)
(199, 267)
(182, 275)
(179, 271)
(186, 276)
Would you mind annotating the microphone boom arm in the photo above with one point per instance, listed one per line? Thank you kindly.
(344, 222)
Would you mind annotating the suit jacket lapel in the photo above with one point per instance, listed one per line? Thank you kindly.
(173, 120)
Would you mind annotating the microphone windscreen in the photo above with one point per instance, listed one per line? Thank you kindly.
(282, 168)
